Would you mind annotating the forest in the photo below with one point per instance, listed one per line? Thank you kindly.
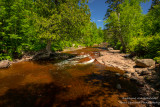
(131, 31)
(33, 25)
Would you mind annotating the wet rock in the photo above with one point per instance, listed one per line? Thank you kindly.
(4, 64)
(152, 79)
(157, 67)
(145, 62)
(118, 74)
(137, 80)
(135, 74)
(127, 75)
(145, 72)
(158, 84)
(147, 91)
(118, 86)
(139, 70)
(134, 79)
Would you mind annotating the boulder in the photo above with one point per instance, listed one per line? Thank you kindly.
(145, 62)
(118, 86)
(118, 74)
(4, 64)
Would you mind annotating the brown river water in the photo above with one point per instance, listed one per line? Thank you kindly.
(48, 84)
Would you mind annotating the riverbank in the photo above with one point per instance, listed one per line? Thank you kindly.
(147, 78)
(42, 55)
(65, 83)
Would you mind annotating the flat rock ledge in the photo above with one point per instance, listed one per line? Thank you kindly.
(114, 59)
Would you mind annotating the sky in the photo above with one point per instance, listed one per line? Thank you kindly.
(98, 9)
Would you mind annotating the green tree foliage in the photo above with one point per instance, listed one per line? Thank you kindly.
(32, 25)
(126, 23)
(92, 35)
(61, 21)
(15, 25)
(152, 21)
(114, 5)
(154, 2)
(131, 31)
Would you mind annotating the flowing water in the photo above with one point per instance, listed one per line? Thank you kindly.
(68, 83)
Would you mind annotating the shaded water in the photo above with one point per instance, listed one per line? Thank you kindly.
(43, 84)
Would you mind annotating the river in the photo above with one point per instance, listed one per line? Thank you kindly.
(69, 83)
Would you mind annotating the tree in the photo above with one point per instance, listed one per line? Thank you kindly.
(126, 23)
(15, 25)
(114, 6)
(154, 2)
(63, 20)
(152, 21)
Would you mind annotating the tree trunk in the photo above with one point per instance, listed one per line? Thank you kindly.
(120, 36)
(123, 44)
(48, 47)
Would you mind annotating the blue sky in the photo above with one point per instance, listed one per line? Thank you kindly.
(98, 9)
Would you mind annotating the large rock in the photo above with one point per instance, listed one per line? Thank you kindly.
(4, 64)
(145, 62)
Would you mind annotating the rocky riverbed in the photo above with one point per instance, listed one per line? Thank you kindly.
(143, 72)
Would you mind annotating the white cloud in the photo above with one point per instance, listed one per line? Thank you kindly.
(99, 20)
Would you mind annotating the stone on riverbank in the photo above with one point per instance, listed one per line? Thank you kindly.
(4, 64)
(118, 86)
(145, 62)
